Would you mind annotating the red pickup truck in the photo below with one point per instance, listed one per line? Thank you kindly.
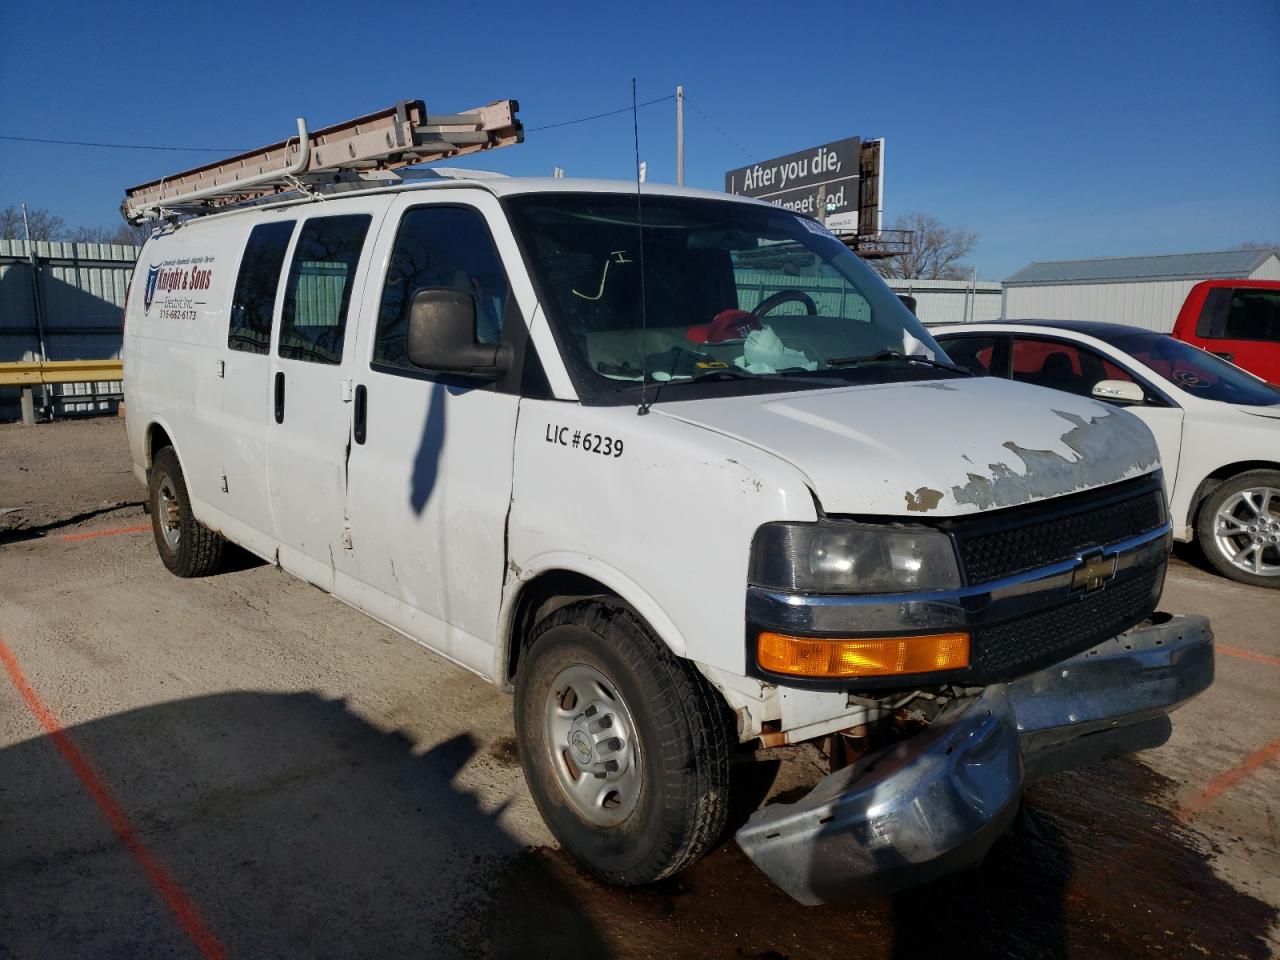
(1239, 320)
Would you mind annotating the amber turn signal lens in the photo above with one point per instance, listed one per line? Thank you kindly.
(863, 657)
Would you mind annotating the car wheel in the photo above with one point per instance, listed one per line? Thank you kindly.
(626, 747)
(187, 547)
(1238, 528)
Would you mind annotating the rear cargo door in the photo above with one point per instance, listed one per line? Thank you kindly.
(246, 369)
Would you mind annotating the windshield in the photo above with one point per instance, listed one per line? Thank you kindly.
(1197, 371)
(731, 291)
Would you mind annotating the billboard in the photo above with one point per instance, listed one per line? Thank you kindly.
(797, 181)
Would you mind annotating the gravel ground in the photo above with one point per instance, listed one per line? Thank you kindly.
(309, 783)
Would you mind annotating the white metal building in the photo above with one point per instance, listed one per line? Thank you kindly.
(1142, 291)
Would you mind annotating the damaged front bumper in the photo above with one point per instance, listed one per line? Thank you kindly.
(935, 803)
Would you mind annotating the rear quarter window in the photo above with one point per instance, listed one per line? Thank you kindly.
(253, 303)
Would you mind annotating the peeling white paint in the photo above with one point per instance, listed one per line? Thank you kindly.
(904, 450)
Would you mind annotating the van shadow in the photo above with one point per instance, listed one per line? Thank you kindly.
(426, 462)
(295, 827)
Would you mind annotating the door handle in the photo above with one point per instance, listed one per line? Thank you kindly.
(360, 413)
(1223, 354)
(279, 396)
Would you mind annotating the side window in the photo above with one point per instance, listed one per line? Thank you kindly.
(255, 297)
(1213, 315)
(1254, 315)
(318, 293)
(975, 354)
(440, 247)
(1061, 366)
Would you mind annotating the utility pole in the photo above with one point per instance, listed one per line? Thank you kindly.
(680, 135)
(45, 396)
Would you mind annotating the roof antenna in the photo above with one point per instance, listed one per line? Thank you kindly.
(644, 321)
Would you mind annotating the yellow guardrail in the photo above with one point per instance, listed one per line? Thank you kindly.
(26, 373)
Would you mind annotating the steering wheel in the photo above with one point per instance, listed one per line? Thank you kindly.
(785, 296)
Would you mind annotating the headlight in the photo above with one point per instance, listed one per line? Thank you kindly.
(840, 556)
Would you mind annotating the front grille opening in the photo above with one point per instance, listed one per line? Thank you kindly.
(998, 554)
(1018, 647)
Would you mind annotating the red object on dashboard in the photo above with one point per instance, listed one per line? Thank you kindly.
(1239, 320)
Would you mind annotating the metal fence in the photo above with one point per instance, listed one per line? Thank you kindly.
(952, 301)
(71, 296)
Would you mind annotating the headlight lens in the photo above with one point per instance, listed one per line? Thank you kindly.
(840, 556)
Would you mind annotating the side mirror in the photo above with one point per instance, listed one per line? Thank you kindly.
(1120, 391)
(442, 336)
(908, 301)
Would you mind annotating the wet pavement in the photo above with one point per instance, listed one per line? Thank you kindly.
(1076, 877)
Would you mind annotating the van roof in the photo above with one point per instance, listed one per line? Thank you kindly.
(498, 186)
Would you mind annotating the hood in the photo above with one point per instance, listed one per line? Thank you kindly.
(936, 448)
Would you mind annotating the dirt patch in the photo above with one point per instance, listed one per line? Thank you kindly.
(1096, 866)
(69, 470)
(506, 751)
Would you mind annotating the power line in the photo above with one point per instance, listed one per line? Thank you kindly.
(714, 126)
(141, 146)
(123, 146)
(597, 116)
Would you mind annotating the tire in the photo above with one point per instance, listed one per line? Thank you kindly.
(186, 546)
(675, 744)
(1234, 505)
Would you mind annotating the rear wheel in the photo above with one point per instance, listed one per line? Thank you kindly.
(625, 746)
(1239, 528)
(186, 546)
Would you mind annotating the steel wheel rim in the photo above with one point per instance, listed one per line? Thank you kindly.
(1246, 531)
(591, 739)
(168, 513)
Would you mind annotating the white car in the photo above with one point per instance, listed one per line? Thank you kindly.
(682, 473)
(1218, 427)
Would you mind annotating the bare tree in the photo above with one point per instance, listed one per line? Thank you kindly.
(936, 253)
(93, 235)
(134, 233)
(1255, 245)
(44, 225)
(125, 233)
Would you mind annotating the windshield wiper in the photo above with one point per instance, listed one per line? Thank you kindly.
(720, 373)
(896, 355)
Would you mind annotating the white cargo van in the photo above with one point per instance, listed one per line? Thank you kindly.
(683, 474)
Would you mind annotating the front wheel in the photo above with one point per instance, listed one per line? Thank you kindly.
(1239, 528)
(625, 747)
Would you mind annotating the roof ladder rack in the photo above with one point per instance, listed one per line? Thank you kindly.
(369, 147)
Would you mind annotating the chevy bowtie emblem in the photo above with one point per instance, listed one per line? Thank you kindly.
(1094, 571)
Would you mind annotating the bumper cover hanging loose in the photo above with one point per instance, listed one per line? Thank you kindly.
(935, 803)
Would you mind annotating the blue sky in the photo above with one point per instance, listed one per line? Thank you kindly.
(1053, 131)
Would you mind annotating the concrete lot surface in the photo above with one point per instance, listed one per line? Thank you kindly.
(241, 766)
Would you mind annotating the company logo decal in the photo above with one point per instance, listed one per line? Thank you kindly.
(153, 274)
(174, 286)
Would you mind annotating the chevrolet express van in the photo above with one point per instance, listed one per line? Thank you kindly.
(680, 472)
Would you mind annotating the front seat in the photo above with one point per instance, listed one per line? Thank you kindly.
(1058, 373)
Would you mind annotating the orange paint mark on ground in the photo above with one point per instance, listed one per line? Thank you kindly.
(184, 910)
(1247, 654)
(105, 533)
(1225, 781)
